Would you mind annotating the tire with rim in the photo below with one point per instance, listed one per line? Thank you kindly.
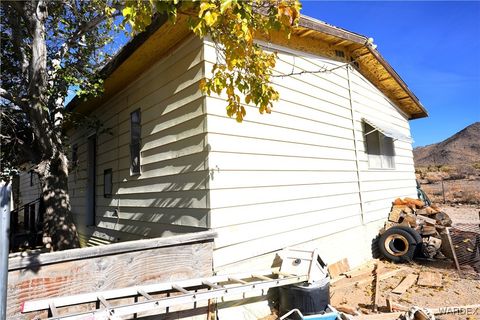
(399, 244)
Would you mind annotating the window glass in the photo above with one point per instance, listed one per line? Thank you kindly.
(107, 183)
(136, 132)
(380, 149)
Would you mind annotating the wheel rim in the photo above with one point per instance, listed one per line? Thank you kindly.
(396, 245)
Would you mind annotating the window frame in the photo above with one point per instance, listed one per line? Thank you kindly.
(135, 142)
(107, 182)
(385, 160)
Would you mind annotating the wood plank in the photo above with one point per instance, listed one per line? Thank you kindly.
(406, 283)
(103, 273)
(367, 277)
(430, 279)
(339, 267)
(36, 258)
(380, 316)
(376, 291)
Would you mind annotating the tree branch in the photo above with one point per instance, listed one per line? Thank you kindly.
(4, 94)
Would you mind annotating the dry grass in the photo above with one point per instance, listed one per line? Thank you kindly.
(454, 191)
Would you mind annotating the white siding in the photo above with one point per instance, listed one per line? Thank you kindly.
(290, 178)
(28, 192)
(170, 195)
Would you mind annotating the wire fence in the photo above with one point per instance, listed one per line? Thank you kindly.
(465, 241)
(453, 191)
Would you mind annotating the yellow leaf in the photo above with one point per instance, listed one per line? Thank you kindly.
(225, 5)
(210, 18)
(127, 11)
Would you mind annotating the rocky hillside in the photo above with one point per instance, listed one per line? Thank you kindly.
(461, 149)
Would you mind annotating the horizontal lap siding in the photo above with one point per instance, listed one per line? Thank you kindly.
(28, 193)
(290, 178)
(170, 195)
(286, 178)
(380, 187)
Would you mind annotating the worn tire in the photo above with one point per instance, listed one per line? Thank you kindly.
(399, 244)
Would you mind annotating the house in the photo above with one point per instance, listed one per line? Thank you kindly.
(319, 172)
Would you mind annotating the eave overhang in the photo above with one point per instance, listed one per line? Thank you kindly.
(311, 35)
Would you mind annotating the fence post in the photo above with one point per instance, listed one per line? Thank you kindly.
(5, 194)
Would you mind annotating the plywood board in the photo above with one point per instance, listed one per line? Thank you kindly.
(339, 267)
(430, 279)
(406, 283)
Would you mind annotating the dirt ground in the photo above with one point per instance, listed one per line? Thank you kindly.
(455, 290)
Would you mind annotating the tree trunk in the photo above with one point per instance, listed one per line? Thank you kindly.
(59, 231)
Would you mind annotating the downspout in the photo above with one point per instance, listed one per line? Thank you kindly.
(355, 144)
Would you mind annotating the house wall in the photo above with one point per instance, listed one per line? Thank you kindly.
(27, 193)
(169, 196)
(290, 178)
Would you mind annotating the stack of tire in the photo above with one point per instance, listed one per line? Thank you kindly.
(400, 244)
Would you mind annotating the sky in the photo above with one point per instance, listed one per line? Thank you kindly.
(433, 45)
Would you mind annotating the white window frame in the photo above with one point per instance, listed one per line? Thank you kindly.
(382, 160)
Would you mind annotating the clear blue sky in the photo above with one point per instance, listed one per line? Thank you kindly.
(434, 46)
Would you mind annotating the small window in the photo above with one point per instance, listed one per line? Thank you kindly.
(107, 183)
(135, 141)
(380, 149)
(31, 178)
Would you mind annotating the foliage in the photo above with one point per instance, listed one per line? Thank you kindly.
(41, 60)
(49, 47)
(243, 68)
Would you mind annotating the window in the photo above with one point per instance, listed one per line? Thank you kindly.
(107, 183)
(380, 149)
(31, 178)
(136, 132)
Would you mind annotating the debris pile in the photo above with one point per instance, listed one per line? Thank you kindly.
(413, 230)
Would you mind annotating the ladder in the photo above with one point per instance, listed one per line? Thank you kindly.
(188, 291)
(297, 266)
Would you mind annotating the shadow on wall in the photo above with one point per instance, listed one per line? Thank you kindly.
(170, 196)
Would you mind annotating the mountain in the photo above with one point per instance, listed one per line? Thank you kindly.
(461, 149)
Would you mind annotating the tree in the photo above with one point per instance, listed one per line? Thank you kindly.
(48, 47)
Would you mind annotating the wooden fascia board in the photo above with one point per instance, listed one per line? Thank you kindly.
(138, 55)
(131, 61)
(353, 42)
(422, 111)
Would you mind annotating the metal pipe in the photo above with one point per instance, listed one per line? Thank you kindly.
(5, 194)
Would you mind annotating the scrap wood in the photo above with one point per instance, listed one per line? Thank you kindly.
(365, 278)
(427, 220)
(376, 291)
(430, 279)
(361, 270)
(406, 283)
(348, 310)
(393, 306)
(380, 316)
(338, 268)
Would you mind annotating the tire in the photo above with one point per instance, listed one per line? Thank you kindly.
(399, 244)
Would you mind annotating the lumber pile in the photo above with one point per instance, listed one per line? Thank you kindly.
(429, 221)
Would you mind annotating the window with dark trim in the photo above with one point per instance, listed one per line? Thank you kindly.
(380, 149)
(135, 141)
(31, 178)
(107, 183)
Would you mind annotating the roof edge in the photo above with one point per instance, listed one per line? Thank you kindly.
(125, 52)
